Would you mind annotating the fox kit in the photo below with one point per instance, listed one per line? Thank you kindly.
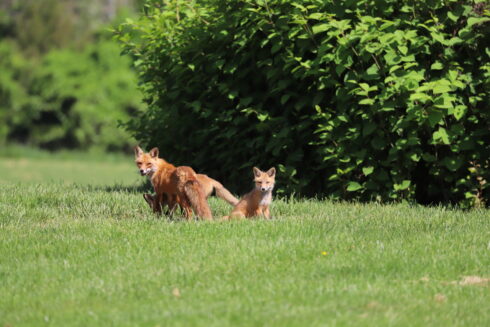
(172, 185)
(209, 185)
(257, 201)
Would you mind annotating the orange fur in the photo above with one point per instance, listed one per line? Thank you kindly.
(172, 185)
(191, 193)
(257, 201)
(144, 162)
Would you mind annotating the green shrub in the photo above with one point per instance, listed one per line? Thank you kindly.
(68, 98)
(365, 100)
(84, 95)
(14, 99)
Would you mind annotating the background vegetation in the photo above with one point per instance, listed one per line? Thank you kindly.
(370, 100)
(81, 247)
(362, 100)
(63, 82)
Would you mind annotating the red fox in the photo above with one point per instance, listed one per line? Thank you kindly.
(257, 201)
(173, 185)
(145, 162)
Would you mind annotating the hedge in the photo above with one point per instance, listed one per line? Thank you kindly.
(366, 100)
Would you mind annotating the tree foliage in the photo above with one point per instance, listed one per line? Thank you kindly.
(366, 99)
(57, 89)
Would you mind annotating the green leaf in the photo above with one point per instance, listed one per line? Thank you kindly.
(444, 101)
(405, 184)
(477, 20)
(364, 86)
(318, 28)
(367, 170)
(459, 111)
(438, 37)
(408, 58)
(372, 71)
(439, 89)
(353, 186)
(276, 47)
(392, 58)
(342, 118)
(436, 66)
(435, 116)
(366, 101)
(316, 16)
(454, 41)
(452, 16)
(263, 117)
(403, 49)
(415, 157)
(441, 136)
(420, 97)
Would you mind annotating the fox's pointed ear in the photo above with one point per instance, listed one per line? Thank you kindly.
(154, 153)
(257, 172)
(137, 151)
(271, 172)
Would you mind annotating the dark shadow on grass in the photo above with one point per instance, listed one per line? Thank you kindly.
(144, 187)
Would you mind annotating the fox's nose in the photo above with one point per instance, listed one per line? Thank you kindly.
(263, 189)
(142, 171)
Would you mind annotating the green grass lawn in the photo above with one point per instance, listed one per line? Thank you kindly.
(79, 247)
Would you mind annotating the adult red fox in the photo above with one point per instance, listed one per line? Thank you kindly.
(173, 185)
(257, 201)
(146, 163)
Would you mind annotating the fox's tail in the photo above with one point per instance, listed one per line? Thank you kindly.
(197, 199)
(223, 193)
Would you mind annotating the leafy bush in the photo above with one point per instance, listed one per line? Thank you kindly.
(69, 99)
(13, 92)
(364, 99)
(84, 95)
(63, 83)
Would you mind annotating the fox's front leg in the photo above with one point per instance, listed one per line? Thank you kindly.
(267, 213)
(186, 206)
(173, 200)
(150, 199)
(158, 202)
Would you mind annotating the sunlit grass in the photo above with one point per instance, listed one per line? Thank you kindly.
(83, 249)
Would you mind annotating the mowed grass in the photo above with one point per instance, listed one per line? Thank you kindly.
(79, 247)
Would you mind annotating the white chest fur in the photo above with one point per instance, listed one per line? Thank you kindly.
(266, 199)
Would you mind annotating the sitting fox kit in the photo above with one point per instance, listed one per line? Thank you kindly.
(257, 201)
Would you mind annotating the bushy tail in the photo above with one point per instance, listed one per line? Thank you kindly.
(223, 193)
(195, 194)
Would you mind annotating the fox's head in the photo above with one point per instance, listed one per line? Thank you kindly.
(264, 181)
(146, 162)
